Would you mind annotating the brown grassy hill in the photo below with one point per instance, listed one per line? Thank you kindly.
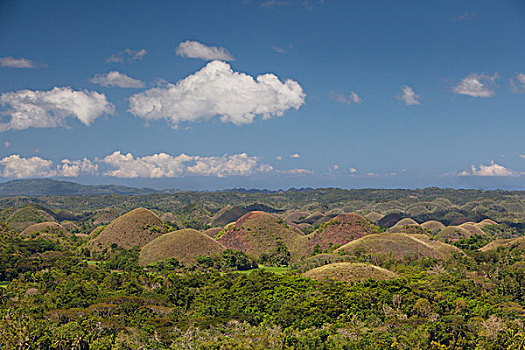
(513, 243)
(398, 245)
(296, 216)
(105, 216)
(412, 229)
(406, 221)
(212, 232)
(22, 218)
(390, 220)
(485, 222)
(258, 232)
(472, 228)
(374, 217)
(349, 272)
(135, 228)
(433, 225)
(50, 230)
(69, 225)
(339, 231)
(183, 245)
(453, 234)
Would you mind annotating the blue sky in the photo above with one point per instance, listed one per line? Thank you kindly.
(351, 94)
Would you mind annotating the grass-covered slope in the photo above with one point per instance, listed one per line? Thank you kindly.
(258, 232)
(512, 243)
(349, 272)
(135, 228)
(398, 245)
(183, 245)
(340, 230)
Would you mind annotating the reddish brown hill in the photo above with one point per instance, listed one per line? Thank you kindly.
(340, 230)
(258, 232)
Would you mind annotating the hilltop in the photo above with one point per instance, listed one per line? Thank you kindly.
(258, 232)
(183, 245)
(135, 228)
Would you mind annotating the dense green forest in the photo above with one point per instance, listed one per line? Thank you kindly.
(459, 284)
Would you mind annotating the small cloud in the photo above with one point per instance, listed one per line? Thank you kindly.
(351, 99)
(371, 174)
(335, 167)
(7, 144)
(517, 83)
(295, 171)
(73, 168)
(279, 158)
(195, 49)
(129, 54)
(278, 49)
(409, 96)
(11, 62)
(352, 170)
(522, 156)
(118, 79)
(295, 155)
(492, 169)
(275, 3)
(463, 17)
(477, 85)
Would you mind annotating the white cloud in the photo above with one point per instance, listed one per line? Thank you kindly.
(522, 156)
(217, 90)
(131, 55)
(352, 170)
(275, 3)
(7, 144)
(409, 96)
(155, 166)
(116, 78)
(238, 164)
(47, 109)
(11, 62)
(353, 98)
(476, 85)
(195, 49)
(164, 165)
(295, 171)
(517, 83)
(15, 166)
(295, 155)
(279, 158)
(492, 169)
(73, 168)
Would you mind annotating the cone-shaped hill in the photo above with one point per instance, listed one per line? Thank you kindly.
(374, 217)
(453, 234)
(398, 245)
(21, 218)
(433, 225)
(349, 272)
(485, 222)
(406, 222)
(258, 232)
(340, 230)
(183, 245)
(512, 243)
(49, 230)
(135, 228)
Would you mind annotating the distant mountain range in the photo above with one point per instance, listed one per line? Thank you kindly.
(49, 187)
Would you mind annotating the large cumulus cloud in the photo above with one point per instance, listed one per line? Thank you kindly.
(217, 90)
